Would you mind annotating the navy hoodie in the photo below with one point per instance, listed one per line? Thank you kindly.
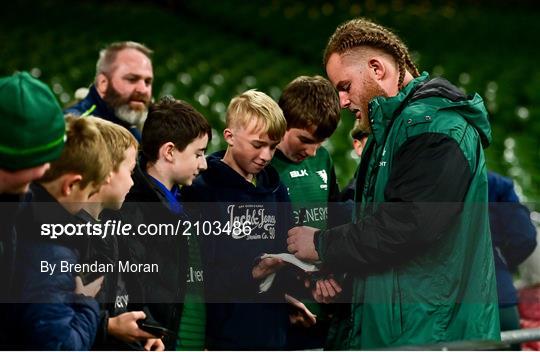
(512, 233)
(238, 316)
(51, 316)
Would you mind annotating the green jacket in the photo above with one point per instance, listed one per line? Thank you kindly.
(418, 259)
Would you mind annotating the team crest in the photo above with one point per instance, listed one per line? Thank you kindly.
(322, 174)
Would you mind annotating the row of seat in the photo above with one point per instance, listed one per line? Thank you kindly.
(206, 52)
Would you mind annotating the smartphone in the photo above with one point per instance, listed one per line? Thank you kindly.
(154, 329)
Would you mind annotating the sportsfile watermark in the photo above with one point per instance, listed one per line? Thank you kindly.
(233, 239)
(236, 229)
(238, 220)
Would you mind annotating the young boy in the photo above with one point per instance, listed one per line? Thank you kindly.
(239, 184)
(311, 107)
(174, 140)
(52, 314)
(118, 328)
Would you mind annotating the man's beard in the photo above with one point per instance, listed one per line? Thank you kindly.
(374, 90)
(364, 125)
(133, 117)
(122, 110)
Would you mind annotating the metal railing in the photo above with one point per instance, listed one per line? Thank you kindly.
(518, 336)
(508, 338)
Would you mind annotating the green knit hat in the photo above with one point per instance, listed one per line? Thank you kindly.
(32, 127)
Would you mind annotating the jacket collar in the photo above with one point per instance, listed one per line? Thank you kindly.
(104, 111)
(219, 173)
(382, 109)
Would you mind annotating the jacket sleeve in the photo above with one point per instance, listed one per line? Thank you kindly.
(427, 184)
(339, 210)
(512, 230)
(52, 316)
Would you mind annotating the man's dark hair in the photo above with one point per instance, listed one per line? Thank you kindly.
(171, 120)
(311, 101)
(362, 32)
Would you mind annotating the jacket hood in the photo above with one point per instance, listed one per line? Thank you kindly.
(450, 97)
(221, 174)
(471, 107)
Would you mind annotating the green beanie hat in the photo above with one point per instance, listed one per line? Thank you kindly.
(32, 129)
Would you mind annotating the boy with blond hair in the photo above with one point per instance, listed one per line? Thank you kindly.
(55, 311)
(118, 328)
(239, 184)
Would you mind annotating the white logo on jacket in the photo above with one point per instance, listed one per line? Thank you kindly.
(298, 173)
(324, 176)
(121, 301)
(260, 224)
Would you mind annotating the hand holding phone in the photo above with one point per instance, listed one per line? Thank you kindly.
(154, 328)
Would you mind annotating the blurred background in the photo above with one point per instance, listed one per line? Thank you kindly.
(205, 52)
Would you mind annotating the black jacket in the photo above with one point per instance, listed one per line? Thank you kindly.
(113, 297)
(10, 206)
(162, 292)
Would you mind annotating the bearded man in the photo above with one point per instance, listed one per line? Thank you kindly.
(122, 89)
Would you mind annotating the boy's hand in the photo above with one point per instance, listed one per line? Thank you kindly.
(302, 316)
(124, 327)
(154, 345)
(266, 267)
(89, 290)
(300, 243)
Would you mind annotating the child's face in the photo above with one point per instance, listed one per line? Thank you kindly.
(251, 150)
(188, 163)
(114, 192)
(299, 144)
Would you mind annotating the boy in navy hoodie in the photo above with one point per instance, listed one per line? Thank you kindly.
(247, 206)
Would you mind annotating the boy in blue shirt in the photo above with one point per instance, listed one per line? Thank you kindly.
(174, 140)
